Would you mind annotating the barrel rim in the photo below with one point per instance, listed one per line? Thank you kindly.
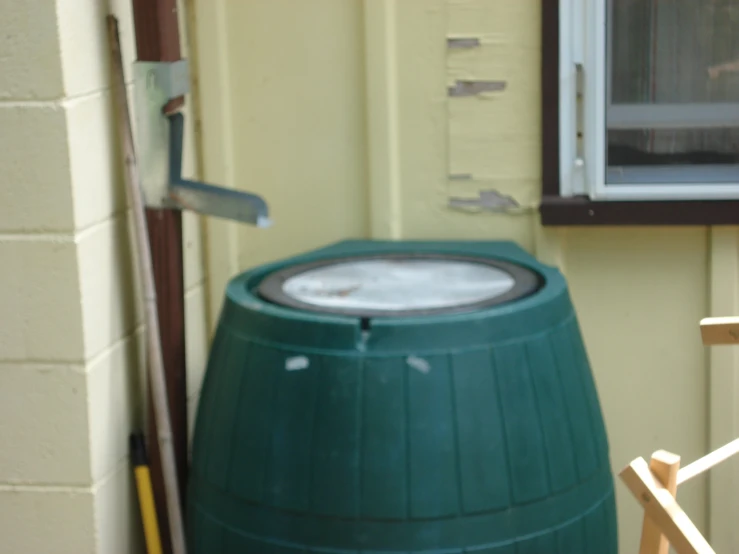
(244, 309)
(526, 282)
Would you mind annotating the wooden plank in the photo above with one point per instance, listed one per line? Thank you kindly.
(158, 39)
(663, 509)
(720, 330)
(708, 461)
(664, 465)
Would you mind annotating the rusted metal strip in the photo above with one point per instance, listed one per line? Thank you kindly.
(158, 35)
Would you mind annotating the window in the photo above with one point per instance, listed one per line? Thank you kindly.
(640, 111)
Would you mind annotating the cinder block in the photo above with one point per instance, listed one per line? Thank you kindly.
(40, 300)
(106, 281)
(47, 520)
(115, 400)
(117, 520)
(95, 160)
(196, 338)
(29, 42)
(43, 425)
(35, 189)
(85, 53)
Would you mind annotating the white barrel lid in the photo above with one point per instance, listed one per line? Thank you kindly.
(393, 285)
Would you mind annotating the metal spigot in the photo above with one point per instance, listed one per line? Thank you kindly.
(160, 144)
(209, 199)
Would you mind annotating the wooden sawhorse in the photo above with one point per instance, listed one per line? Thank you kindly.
(655, 484)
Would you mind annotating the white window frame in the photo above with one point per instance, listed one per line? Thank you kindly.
(583, 73)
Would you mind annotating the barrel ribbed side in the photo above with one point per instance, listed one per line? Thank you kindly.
(496, 449)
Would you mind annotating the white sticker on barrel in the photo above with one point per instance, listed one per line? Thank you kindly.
(296, 362)
(418, 363)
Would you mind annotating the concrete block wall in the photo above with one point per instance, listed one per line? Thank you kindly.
(71, 365)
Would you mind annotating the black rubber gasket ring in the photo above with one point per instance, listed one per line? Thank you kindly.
(526, 282)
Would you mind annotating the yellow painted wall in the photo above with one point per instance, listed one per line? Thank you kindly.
(337, 112)
(639, 294)
(293, 121)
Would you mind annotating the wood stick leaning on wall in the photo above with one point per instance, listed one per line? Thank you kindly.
(143, 250)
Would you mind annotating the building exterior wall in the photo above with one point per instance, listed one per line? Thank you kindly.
(277, 123)
(282, 98)
(71, 367)
(337, 112)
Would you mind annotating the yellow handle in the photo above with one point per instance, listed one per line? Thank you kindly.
(148, 510)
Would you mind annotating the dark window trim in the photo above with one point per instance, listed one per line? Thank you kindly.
(559, 211)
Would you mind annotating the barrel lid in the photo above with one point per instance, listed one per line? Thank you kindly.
(398, 285)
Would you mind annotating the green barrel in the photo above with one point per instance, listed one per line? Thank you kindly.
(332, 422)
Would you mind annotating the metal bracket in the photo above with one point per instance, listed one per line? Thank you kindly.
(208, 199)
(159, 149)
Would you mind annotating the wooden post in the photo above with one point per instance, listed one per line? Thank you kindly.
(663, 509)
(158, 39)
(664, 465)
(720, 330)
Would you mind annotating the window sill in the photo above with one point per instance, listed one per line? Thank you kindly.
(580, 210)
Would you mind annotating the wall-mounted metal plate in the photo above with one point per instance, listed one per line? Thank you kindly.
(155, 83)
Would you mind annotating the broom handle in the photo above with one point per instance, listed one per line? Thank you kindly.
(143, 248)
